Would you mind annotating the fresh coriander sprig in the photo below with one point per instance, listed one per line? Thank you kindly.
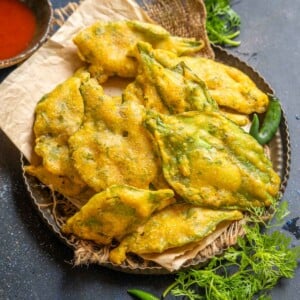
(222, 23)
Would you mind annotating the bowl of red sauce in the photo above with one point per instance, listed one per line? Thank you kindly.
(24, 27)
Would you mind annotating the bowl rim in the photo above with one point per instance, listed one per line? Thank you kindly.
(8, 62)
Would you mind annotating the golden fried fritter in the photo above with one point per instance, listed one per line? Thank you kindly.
(115, 212)
(169, 90)
(237, 118)
(112, 146)
(108, 46)
(172, 90)
(57, 116)
(212, 162)
(78, 193)
(175, 226)
(228, 86)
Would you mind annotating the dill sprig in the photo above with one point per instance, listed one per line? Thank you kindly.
(251, 268)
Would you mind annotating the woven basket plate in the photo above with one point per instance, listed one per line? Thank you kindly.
(88, 252)
(54, 210)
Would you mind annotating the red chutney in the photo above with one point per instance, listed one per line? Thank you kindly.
(17, 27)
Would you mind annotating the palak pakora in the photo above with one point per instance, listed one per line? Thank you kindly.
(58, 115)
(170, 90)
(108, 46)
(78, 193)
(112, 146)
(174, 226)
(212, 162)
(228, 86)
(116, 212)
(176, 88)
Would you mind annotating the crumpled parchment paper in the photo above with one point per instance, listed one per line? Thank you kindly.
(54, 62)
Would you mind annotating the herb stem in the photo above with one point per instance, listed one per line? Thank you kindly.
(226, 39)
(222, 23)
(168, 289)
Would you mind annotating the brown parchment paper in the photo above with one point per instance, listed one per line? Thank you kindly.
(54, 62)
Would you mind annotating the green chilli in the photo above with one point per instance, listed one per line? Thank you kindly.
(142, 295)
(270, 122)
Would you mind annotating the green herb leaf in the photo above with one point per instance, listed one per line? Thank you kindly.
(222, 23)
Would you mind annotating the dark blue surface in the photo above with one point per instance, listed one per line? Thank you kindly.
(35, 265)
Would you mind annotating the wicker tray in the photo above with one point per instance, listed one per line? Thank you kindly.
(54, 211)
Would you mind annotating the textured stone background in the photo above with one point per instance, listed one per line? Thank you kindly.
(34, 264)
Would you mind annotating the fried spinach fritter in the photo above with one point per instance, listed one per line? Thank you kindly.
(228, 86)
(173, 89)
(115, 212)
(108, 46)
(168, 90)
(57, 116)
(212, 162)
(112, 146)
(175, 226)
(77, 192)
